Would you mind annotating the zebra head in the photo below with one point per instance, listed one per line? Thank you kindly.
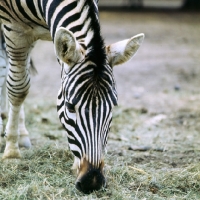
(86, 99)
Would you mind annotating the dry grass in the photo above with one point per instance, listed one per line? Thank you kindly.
(45, 170)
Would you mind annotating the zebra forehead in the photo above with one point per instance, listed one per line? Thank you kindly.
(90, 83)
(93, 93)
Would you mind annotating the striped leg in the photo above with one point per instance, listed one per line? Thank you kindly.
(18, 83)
(16, 133)
(3, 100)
(3, 72)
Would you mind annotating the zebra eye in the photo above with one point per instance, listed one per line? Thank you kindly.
(70, 107)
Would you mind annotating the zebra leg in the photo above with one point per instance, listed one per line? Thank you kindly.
(3, 104)
(2, 85)
(17, 90)
(3, 72)
(12, 147)
(18, 83)
(4, 99)
(24, 140)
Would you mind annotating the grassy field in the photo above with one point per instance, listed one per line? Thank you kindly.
(140, 163)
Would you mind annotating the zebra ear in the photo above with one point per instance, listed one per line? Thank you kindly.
(120, 52)
(67, 47)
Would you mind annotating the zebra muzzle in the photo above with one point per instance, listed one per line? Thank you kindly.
(90, 178)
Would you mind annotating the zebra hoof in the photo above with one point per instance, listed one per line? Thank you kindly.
(24, 141)
(11, 154)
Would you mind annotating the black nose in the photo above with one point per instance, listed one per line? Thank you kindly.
(92, 180)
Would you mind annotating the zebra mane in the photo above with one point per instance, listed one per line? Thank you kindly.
(97, 53)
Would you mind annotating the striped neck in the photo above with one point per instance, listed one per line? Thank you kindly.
(79, 17)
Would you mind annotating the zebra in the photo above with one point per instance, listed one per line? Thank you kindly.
(87, 93)
(3, 97)
(3, 73)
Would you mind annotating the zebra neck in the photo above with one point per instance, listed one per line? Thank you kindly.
(78, 16)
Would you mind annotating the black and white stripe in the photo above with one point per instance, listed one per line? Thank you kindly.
(88, 92)
(89, 97)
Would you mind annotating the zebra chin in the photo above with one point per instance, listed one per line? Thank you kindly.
(90, 178)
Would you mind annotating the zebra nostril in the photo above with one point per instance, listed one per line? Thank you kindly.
(79, 186)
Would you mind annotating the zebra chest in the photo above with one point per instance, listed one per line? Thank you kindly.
(18, 25)
(29, 32)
